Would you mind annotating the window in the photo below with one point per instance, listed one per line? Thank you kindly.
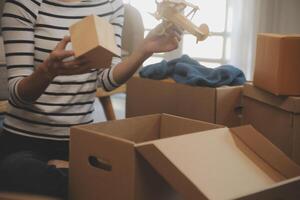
(212, 52)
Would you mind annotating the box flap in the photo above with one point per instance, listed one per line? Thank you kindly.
(287, 103)
(267, 151)
(172, 126)
(197, 165)
(131, 129)
(286, 190)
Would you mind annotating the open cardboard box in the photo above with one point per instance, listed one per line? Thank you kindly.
(104, 163)
(237, 163)
(282, 126)
(215, 105)
(211, 163)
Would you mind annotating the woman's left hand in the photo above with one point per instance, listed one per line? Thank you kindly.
(158, 43)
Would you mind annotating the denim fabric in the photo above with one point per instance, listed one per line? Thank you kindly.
(24, 168)
(188, 71)
(1, 122)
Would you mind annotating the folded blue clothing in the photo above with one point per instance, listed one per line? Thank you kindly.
(189, 71)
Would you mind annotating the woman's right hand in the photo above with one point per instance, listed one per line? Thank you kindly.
(55, 65)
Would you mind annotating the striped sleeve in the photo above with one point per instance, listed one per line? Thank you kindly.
(17, 28)
(106, 79)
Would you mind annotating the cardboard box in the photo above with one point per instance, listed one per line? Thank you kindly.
(94, 38)
(277, 65)
(237, 163)
(276, 117)
(104, 163)
(215, 105)
(218, 163)
(12, 196)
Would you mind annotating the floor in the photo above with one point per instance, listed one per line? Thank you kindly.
(118, 101)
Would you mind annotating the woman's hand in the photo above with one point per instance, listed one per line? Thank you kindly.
(156, 42)
(55, 65)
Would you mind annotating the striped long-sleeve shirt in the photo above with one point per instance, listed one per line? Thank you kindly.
(31, 29)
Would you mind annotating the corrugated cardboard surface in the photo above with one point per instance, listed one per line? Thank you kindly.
(288, 190)
(267, 57)
(228, 106)
(289, 70)
(287, 103)
(296, 143)
(118, 171)
(86, 181)
(273, 123)
(277, 64)
(93, 37)
(146, 97)
(194, 102)
(220, 163)
(274, 116)
(221, 105)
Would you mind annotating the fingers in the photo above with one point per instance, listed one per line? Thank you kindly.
(75, 63)
(74, 69)
(77, 66)
(59, 55)
(174, 28)
(175, 32)
(63, 43)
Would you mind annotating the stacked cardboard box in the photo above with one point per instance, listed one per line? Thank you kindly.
(215, 105)
(277, 66)
(277, 117)
(276, 74)
(171, 158)
(165, 157)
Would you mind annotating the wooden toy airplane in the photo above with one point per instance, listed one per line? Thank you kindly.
(170, 11)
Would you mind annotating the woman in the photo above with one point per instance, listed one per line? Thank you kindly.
(50, 90)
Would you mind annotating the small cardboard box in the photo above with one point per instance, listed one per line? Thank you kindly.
(276, 117)
(93, 37)
(123, 160)
(104, 163)
(215, 105)
(277, 65)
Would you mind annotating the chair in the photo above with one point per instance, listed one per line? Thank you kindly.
(133, 34)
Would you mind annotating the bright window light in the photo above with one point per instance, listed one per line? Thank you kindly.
(215, 50)
(211, 48)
